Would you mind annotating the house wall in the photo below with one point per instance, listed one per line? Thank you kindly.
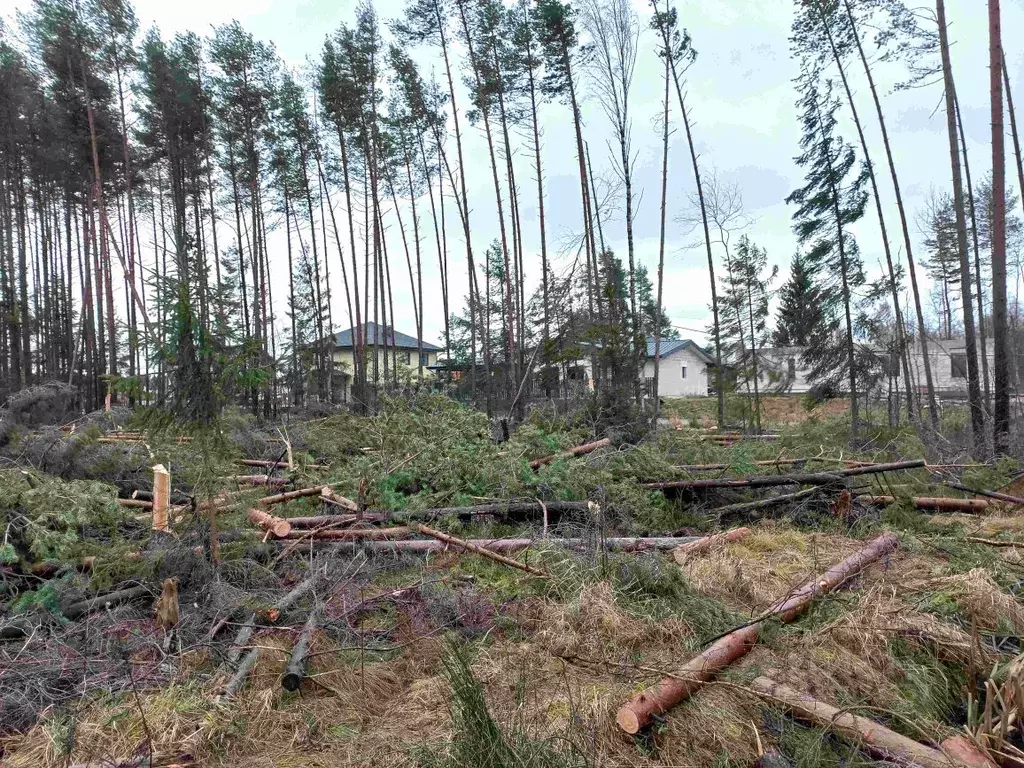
(345, 356)
(671, 382)
(940, 354)
(774, 373)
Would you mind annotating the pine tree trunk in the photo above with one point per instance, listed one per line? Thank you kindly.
(973, 379)
(661, 246)
(1001, 411)
(977, 260)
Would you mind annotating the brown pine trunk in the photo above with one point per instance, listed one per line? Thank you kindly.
(973, 379)
(977, 258)
(661, 246)
(1001, 411)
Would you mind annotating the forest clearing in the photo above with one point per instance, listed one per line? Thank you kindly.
(403, 589)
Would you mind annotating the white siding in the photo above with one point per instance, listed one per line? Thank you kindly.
(672, 382)
(940, 355)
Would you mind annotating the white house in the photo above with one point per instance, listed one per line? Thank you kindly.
(682, 368)
(948, 358)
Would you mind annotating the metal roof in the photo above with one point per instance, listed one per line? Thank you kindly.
(670, 346)
(374, 333)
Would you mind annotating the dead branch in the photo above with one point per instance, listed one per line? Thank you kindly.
(110, 599)
(280, 498)
(765, 481)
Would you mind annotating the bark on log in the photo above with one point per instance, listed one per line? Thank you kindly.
(944, 503)
(328, 495)
(286, 602)
(684, 551)
(482, 551)
(507, 545)
(295, 672)
(161, 498)
(350, 534)
(276, 526)
(765, 481)
(579, 450)
(280, 498)
(84, 607)
(14, 629)
(874, 737)
(641, 710)
(767, 463)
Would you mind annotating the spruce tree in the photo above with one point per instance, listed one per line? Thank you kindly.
(833, 198)
(799, 315)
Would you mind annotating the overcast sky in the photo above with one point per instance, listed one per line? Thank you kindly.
(742, 103)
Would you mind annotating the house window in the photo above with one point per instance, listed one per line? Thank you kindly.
(407, 357)
(424, 359)
(791, 367)
(958, 366)
(684, 372)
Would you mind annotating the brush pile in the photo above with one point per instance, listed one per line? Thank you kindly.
(402, 590)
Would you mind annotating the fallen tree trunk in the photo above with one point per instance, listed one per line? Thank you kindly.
(513, 510)
(295, 672)
(482, 551)
(874, 737)
(328, 495)
(640, 711)
(276, 526)
(135, 503)
(766, 463)
(280, 498)
(703, 545)
(931, 502)
(317, 521)
(1015, 500)
(765, 481)
(84, 607)
(512, 545)
(349, 534)
(579, 450)
(286, 602)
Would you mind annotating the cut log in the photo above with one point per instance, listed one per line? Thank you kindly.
(280, 498)
(276, 526)
(975, 506)
(874, 737)
(804, 478)
(83, 607)
(286, 602)
(161, 498)
(703, 545)
(960, 748)
(295, 672)
(328, 495)
(579, 450)
(482, 551)
(350, 534)
(640, 711)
